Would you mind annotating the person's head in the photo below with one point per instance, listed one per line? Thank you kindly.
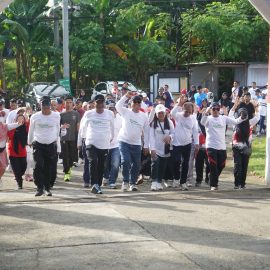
(28, 110)
(245, 90)
(200, 89)
(99, 103)
(247, 97)
(69, 103)
(109, 96)
(112, 108)
(59, 102)
(84, 106)
(193, 88)
(235, 84)
(160, 91)
(166, 87)
(20, 117)
(20, 103)
(254, 85)
(45, 105)
(188, 109)
(144, 96)
(215, 108)
(13, 104)
(78, 104)
(160, 111)
(136, 103)
(82, 93)
(224, 95)
(124, 90)
(204, 103)
(54, 105)
(257, 92)
(91, 105)
(115, 84)
(243, 113)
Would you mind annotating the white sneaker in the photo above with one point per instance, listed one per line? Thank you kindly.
(159, 186)
(112, 186)
(81, 161)
(168, 184)
(133, 188)
(214, 188)
(104, 182)
(60, 161)
(176, 183)
(184, 186)
(189, 184)
(154, 186)
(124, 186)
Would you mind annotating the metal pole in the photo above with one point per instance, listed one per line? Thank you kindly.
(66, 73)
(56, 41)
(267, 162)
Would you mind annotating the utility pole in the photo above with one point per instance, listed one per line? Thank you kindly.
(66, 70)
(56, 41)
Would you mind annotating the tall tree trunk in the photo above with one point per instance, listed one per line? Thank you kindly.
(2, 72)
(18, 65)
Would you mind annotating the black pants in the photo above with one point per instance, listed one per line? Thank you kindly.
(240, 167)
(168, 175)
(97, 159)
(45, 159)
(200, 160)
(158, 168)
(18, 165)
(69, 154)
(54, 171)
(181, 156)
(217, 161)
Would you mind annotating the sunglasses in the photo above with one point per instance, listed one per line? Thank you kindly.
(216, 109)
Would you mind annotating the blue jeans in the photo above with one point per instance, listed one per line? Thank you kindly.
(86, 169)
(112, 165)
(262, 125)
(131, 161)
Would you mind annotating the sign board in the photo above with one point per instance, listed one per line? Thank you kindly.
(65, 83)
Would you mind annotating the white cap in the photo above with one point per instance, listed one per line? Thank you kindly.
(144, 95)
(160, 108)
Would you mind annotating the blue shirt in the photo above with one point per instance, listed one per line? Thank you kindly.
(199, 97)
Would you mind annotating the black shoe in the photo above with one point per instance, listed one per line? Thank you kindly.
(236, 187)
(19, 187)
(48, 193)
(198, 184)
(94, 189)
(39, 192)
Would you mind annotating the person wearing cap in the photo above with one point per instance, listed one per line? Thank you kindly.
(99, 132)
(242, 145)
(215, 127)
(113, 158)
(186, 131)
(134, 125)
(43, 136)
(70, 120)
(160, 136)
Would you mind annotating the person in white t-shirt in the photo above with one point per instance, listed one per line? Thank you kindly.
(113, 158)
(43, 136)
(99, 125)
(186, 130)
(262, 112)
(134, 125)
(252, 90)
(215, 126)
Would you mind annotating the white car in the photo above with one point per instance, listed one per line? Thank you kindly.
(105, 88)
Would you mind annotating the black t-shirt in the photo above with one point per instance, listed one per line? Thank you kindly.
(250, 108)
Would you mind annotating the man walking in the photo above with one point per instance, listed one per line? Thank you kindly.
(134, 125)
(70, 119)
(99, 125)
(43, 135)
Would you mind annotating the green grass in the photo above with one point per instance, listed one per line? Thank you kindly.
(257, 160)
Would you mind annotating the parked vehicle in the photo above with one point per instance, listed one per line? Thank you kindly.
(105, 88)
(35, 91)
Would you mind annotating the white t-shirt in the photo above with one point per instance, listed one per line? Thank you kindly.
(133, 125)
(252, 92)
(262, 107)
(44, 128)
(186, 128)
(156, 138)
(11, 116)
(117, 127)
(215, 130)
(99, 128)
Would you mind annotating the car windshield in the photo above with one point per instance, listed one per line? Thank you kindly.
(53, 90)
(131, 87)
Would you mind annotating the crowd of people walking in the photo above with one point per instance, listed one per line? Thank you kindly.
(169, 139)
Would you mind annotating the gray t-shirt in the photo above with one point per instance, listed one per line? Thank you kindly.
(73, 119)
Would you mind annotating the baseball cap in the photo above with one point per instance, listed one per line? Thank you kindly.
(99, 98)
(215, 104)
(160, 108)
(45, 101)
(136, 99)
(144, 95)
